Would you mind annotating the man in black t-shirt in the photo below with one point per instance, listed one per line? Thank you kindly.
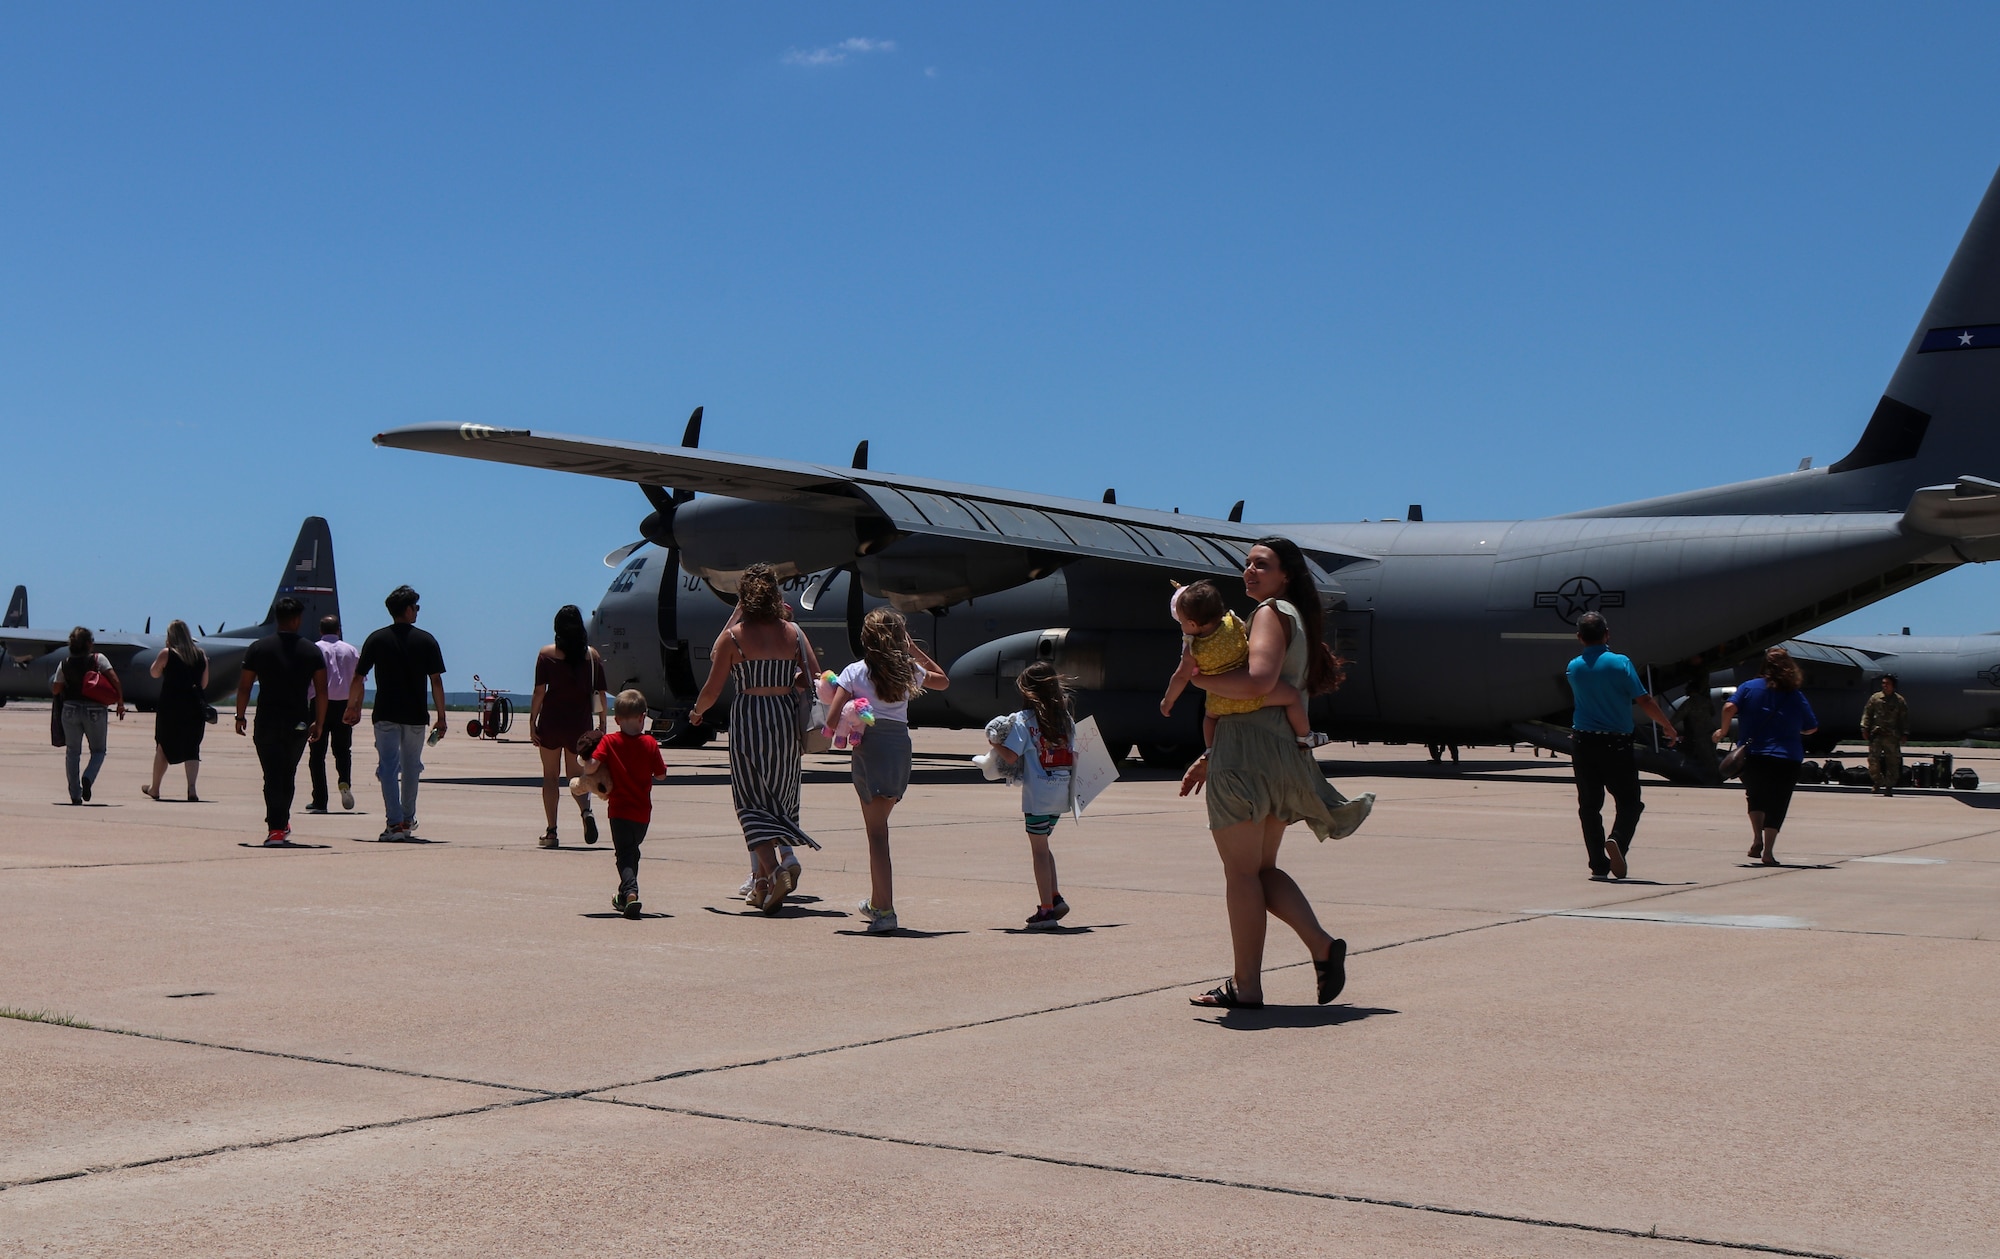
(406, 662)
(290, 676)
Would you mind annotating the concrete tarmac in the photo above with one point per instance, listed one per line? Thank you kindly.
(457, 1048)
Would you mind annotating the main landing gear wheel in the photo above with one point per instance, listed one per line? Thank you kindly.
(676, 731)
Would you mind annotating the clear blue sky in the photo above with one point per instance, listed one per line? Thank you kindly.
(1506, 262)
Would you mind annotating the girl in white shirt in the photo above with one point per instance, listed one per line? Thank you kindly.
(891, 672)
(1043, 744)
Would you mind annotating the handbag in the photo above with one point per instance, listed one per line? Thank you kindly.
(99, 689)
(1732, 765)
(808, 710)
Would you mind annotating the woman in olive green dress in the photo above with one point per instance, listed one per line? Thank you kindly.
(1259, 780)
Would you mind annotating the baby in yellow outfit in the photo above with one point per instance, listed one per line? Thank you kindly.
(1218, 643)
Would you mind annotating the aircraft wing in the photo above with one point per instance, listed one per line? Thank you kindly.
(27, 644)
(1049, 524)
(19, 646)
(1827, 655)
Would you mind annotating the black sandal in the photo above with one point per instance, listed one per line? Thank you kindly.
(1225, 998)
(1332, 972)
(589, 829)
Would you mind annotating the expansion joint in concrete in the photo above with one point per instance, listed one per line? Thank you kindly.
(1471, 1213)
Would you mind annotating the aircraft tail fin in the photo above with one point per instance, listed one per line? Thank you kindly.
(1939, 419)
(308, 577)
(17, 610)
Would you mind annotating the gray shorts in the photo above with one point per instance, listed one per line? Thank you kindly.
(882, 761)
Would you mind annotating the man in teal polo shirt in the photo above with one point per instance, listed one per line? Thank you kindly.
(1605, 686)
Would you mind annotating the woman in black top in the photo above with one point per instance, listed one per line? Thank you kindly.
(84, 717)
(182, 716)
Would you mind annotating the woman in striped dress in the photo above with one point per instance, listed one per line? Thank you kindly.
(770, 661)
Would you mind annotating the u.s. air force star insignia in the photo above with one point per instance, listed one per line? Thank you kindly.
(1990, 676)
(1577, 596)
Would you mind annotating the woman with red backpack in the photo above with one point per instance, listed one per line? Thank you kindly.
(86, 687)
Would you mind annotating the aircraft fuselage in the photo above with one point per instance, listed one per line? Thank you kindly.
(1457, 631)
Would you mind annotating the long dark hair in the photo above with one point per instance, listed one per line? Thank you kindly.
(1043, 688)
(82, 650)
(571, 640)
(1323, 669)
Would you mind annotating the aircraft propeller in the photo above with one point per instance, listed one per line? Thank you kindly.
(658, 526)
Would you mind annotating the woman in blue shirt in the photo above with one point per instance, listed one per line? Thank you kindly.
(1775, 719)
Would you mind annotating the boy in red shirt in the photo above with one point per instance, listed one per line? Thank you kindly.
(633, 762)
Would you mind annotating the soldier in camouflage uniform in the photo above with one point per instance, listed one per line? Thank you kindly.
(1884, 723)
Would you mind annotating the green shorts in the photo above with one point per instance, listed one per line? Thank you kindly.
(1042, 824)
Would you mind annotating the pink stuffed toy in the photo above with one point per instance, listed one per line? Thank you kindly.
(845, 728)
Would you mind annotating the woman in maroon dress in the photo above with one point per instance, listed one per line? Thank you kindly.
(569, 702)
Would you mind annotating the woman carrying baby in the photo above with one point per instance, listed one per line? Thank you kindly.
(1259, 780)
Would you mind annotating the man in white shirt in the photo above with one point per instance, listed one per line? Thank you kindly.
(341, 658)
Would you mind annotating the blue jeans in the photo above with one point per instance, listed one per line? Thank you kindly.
(83, 721)
(399, 759)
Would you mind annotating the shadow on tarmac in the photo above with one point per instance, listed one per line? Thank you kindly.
(1272, 1017)
(790, 909)
(1059, 930)
(910, 933)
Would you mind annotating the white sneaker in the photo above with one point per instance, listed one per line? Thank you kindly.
(347, 797)
(880, 921)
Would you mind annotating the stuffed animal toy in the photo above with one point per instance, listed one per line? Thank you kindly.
(993, 765)
(596, 777)
(850, 723)
(845, 727)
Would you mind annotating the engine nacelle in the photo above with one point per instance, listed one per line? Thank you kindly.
(1098, 663)
(720, 537)
(918, 574)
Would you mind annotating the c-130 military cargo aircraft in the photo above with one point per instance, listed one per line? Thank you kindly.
(30, 655)
(1453, 631)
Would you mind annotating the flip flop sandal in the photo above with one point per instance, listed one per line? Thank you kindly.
(1332, 972)
(1225, 998)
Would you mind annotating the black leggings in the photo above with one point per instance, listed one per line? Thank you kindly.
(626, 836)
(1767, 784)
